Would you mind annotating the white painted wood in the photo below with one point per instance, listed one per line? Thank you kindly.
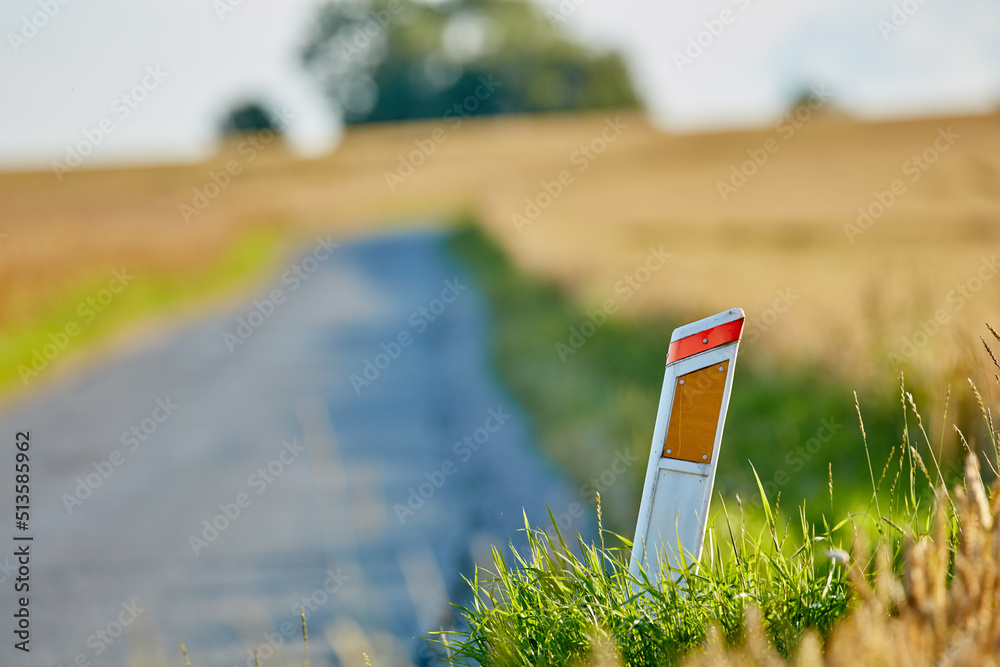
(677, 495)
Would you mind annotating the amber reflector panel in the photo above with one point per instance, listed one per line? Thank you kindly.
(694, 417)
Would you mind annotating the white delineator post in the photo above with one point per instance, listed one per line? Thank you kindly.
(677, 493)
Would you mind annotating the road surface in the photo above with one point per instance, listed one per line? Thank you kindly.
(204, 486)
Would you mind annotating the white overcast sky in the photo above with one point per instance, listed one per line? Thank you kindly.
(64, 79)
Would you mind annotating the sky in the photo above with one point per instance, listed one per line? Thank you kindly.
(182, 64)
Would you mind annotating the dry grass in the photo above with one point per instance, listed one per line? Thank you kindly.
(782, 230)
(944, 611)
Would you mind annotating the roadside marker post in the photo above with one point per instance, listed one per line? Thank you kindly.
(684, 455)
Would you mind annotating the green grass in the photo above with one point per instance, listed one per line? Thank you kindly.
(556, 605)
(145, 295)
(603, 399)
(560, 606)
(546, 607)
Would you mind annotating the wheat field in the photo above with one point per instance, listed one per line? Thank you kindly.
(906, 289)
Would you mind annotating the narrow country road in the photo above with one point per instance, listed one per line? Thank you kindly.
(205, 486)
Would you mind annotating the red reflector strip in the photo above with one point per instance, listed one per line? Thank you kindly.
(706, 340)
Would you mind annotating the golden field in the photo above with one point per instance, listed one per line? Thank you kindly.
(781, 233)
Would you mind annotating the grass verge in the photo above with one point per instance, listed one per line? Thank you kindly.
(928, 593)
(93, 309)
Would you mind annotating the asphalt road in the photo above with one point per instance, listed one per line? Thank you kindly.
(203, 486)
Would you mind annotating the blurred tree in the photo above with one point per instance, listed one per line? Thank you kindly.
(806, 98)
(382, 60)
(247, 118)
